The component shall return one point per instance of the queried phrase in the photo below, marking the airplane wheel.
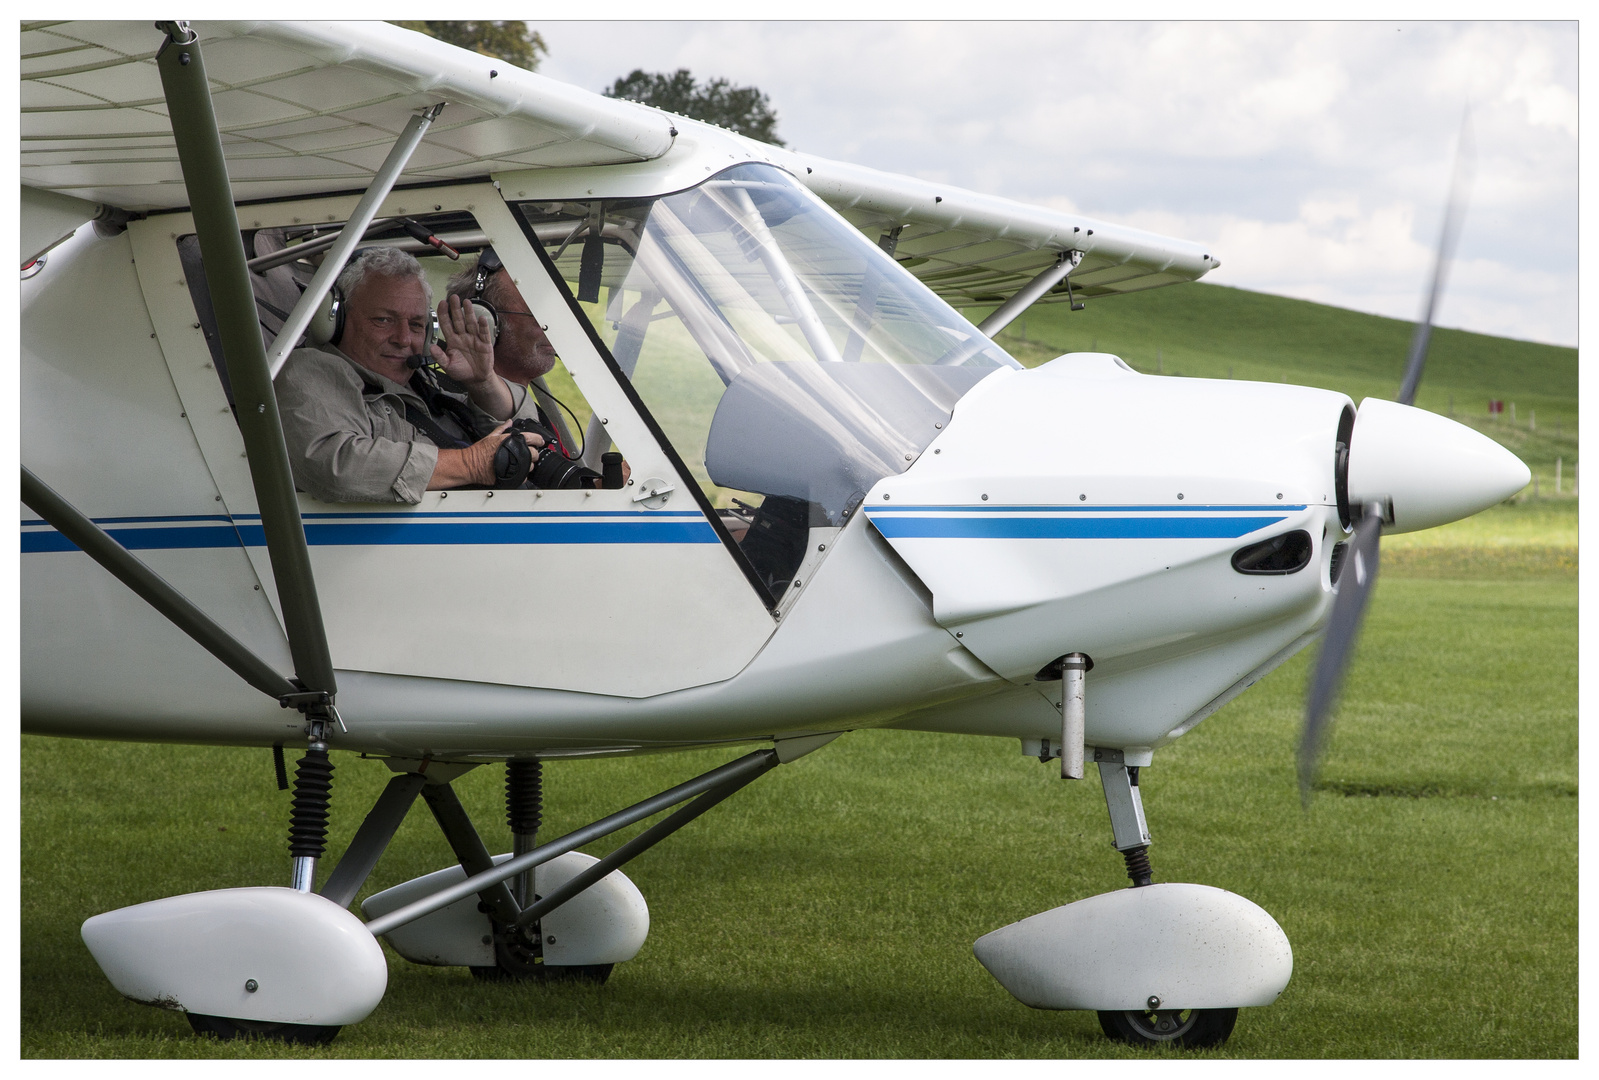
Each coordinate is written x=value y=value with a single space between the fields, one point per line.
x=1187 y=1028
x=226 y=1027
x=514 y=959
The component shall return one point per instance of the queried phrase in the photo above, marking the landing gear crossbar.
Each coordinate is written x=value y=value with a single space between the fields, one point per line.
x=716 y=785
x=633 y=848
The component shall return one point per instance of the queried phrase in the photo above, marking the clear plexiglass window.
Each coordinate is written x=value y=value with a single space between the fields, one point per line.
x=791 y=362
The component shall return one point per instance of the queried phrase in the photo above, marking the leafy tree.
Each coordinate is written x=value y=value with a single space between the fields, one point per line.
x=743 y=109
x=512 y=42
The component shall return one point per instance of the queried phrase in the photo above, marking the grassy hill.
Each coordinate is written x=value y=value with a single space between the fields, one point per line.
x=1216 y=332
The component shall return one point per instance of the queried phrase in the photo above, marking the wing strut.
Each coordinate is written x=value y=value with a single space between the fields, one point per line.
x=1029 y=293
x=205 y=176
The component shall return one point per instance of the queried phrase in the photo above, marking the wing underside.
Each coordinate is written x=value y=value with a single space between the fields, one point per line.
x=311 y=108
x=975 y=249
x=303 y=108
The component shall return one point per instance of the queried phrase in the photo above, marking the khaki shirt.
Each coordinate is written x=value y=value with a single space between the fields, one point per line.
x=349 y=445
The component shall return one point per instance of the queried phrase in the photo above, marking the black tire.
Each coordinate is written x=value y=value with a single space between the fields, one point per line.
x=550 y=973
x=583 y=973
x=227 y=1027
x=1190 y=1029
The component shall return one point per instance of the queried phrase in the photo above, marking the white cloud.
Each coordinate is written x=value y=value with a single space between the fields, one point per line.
x=1313 y=157
x=1547 y=102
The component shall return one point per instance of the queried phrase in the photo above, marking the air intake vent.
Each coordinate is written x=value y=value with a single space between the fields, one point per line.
x=1340 y=549
x=1285 y=554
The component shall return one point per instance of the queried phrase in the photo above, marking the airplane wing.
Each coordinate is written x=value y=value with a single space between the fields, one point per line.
x=303 y=108
x=979 y=249
x=306 y=108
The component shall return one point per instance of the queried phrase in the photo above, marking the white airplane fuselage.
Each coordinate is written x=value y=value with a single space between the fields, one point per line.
x=1078 y=507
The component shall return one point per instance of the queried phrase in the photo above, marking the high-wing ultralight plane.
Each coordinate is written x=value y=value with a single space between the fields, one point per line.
x=843 y=506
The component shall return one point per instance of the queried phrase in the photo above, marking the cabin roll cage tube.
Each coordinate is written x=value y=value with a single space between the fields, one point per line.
x=352 y=234
x=711 y=787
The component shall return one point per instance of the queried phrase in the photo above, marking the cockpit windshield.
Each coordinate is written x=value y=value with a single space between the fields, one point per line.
x=783 y=353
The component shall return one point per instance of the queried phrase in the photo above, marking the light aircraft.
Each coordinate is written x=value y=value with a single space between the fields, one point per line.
x=847 y=507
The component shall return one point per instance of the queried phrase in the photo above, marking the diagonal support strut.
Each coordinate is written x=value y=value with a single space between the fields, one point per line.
x=1025 y=297
x=353 y=232
x=738 y=771
x=205 y=177
x=632 y=849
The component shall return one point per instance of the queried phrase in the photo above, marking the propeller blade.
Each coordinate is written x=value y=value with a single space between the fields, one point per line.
x=1355 y=581
x=1359 y=572
x=1459 y=192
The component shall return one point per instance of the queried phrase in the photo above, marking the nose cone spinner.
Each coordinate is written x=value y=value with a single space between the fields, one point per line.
x=1427 y=469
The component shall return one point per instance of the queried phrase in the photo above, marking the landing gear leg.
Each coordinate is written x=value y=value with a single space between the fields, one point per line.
x=1152 y=1026
x=1126 y=806
x=308 y=835
x=524 y=813
x=518 y=949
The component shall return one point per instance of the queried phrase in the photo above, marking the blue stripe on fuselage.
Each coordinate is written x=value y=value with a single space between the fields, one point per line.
x=1067 y=528
x=400 y=530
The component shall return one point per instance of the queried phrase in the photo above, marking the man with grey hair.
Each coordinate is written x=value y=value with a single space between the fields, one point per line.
x=522 y=352
x=379 y=413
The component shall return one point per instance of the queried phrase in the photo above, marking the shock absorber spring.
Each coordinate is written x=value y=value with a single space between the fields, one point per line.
x=308 y=818
x=524 y=812
x=524 y=795
x=1138 y=867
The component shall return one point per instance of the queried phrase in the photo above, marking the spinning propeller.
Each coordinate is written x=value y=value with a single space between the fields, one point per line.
x=1407 y=469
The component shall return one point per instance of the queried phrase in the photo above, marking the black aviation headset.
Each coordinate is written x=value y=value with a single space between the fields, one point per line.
x=327 y=325
x=488 y=264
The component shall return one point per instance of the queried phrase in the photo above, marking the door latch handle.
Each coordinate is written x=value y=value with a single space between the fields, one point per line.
x=653 y=493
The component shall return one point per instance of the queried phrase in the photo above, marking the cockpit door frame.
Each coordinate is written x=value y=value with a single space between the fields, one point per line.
x=614 y=398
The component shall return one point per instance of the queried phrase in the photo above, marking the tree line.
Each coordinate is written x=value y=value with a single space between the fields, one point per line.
x=741 y=109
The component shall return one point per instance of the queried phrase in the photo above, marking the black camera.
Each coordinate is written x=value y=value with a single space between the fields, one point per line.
x=514 y=466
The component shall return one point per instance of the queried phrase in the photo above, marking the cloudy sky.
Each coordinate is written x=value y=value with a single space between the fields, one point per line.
x=1314 y=159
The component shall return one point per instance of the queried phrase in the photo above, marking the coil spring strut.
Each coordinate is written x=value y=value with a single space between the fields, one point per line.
x=1138 y=867
x=524 y=795
x=308 y=818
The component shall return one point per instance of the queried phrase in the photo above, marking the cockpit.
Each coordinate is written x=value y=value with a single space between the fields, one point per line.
x=789 y=361
x=786 y=361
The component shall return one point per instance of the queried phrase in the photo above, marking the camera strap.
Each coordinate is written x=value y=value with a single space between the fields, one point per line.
x=440 y=404
x=430 y=427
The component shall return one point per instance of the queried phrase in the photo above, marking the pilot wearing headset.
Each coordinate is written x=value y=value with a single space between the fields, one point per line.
x=379 y=413
x=522 y=352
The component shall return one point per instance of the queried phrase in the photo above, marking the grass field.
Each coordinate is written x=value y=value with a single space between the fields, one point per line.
x=828 y=911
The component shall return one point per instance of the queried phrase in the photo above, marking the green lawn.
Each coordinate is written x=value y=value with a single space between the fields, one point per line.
x=829 y=910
